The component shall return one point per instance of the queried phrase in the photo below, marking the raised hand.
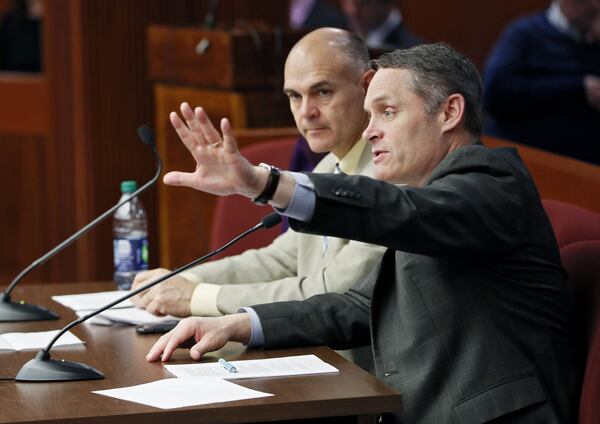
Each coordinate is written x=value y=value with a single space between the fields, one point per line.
x=220 y=168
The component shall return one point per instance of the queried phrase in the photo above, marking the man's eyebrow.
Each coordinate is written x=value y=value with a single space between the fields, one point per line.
x=321 y=84
x=315 y=86
x=381 y=99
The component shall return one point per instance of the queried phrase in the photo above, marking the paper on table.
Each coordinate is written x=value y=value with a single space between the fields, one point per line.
x=126 y=316
x=179 y=392
x=92 y=301
x=257 y=368
x=39 y=340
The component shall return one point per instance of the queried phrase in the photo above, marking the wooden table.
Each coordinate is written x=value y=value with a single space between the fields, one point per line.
x=119 y=352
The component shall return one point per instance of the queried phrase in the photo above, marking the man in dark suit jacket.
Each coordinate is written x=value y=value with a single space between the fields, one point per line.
x=468 y=311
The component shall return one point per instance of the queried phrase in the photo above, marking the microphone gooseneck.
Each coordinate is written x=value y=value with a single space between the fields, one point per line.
x=21 y=311
x=43 y=368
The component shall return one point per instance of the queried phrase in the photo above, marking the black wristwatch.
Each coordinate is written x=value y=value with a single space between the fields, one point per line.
x=272 y=183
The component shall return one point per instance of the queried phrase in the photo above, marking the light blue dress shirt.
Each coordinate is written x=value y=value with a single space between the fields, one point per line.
x=301 y=208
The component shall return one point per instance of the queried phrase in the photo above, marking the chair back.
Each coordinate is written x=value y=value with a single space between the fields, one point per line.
x=577 y=231
x=235 y=214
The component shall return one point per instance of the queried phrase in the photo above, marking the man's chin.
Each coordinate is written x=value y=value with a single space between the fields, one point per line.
x=319 y=145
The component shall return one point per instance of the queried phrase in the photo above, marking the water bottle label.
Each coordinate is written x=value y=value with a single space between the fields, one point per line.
x=131 y=255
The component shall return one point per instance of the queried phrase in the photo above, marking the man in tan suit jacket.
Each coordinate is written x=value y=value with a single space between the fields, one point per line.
x=326 y=76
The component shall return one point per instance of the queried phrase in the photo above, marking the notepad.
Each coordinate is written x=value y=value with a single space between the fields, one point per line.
x=256 y=368
x=38 y=340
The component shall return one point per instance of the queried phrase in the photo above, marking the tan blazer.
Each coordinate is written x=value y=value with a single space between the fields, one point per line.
x=293 y=267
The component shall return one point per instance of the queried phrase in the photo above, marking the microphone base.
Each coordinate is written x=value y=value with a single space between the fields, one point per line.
x=17 y=311
x=42 y=368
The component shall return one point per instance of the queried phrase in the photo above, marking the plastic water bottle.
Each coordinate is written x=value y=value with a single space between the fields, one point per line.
x=130 y=238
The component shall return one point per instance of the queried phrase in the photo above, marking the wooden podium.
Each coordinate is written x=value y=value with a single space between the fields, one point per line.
x=235 y=73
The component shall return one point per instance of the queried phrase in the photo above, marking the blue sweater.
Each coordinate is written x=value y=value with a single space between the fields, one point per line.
x=533 y=89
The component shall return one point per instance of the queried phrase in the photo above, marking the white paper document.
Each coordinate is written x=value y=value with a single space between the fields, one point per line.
x=179 y=392
x=256 y=368
x=92 y=301
x=126 y=316
x=39 y=340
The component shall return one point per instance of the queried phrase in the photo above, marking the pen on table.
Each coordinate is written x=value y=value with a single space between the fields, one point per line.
x=227 y=365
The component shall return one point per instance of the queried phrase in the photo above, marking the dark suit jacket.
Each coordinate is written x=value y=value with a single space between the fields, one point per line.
x=468 y=311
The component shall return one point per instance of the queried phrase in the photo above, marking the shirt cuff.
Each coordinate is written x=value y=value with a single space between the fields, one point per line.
x=204 y=300
x=257 y=337
x=302 y=205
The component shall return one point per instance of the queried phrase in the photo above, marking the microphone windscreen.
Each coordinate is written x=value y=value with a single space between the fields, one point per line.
x=146 y=135
x=271 y=220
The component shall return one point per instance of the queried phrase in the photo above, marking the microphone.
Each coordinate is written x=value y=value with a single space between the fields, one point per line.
x=21 y=311
x=43 y=368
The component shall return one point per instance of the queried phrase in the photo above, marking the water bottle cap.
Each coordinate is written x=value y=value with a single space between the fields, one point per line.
x=128 y=186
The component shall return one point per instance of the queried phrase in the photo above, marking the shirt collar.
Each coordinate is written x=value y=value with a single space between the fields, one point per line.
x=558 y=20
x=349 y=163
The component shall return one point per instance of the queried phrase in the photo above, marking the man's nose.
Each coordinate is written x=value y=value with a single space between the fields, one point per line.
x=371 y=133
x=309 y=109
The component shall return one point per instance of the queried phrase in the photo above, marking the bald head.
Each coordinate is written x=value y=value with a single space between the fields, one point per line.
x=326 y=77
x=331 y=45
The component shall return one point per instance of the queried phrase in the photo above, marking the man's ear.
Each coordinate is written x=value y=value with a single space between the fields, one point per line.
x=366 y=78
x=453 y=110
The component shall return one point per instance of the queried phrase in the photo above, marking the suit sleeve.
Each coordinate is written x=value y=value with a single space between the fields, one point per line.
x=351 y=264
x=471 y=205
x=340 y=321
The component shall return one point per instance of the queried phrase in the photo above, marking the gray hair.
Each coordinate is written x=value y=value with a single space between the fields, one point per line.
x=355 y=50
x=438 y=71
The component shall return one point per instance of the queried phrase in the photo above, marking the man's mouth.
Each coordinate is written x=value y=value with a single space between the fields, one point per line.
x=378 y=155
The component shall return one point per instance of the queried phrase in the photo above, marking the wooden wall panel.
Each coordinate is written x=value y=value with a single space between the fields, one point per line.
x=24 y=104
x=116 y=97
x=22 y=173
x=23 y=128
x=83 y=113
x=471 y=26
x=99 y=93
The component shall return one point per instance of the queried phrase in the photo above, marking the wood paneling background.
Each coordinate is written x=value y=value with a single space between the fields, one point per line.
x=67 y=137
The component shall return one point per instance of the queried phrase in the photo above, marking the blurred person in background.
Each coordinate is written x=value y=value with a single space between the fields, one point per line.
x=542 y=80
x=20 y=37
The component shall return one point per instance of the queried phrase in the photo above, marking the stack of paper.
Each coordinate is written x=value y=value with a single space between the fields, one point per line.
x=257 y=368
x=39 y=340
x=122 y=313
x=206 y=383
